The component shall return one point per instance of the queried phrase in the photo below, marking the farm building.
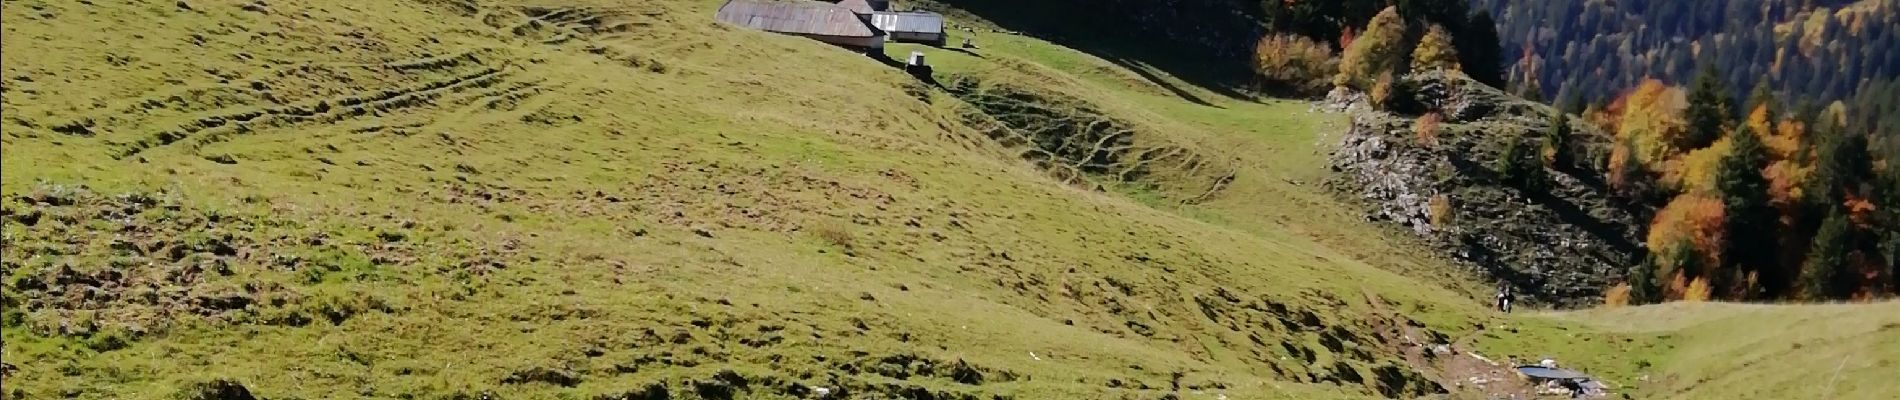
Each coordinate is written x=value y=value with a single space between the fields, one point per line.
x=825 y=22
x=865 y=7
x=911 y=26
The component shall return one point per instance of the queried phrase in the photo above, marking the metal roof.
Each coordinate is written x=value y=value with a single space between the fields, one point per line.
x=1540 y=372
x=911 y=22
x=799 y=17
x=857 y=6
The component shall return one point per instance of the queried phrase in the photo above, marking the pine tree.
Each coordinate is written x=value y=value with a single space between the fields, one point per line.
x=1762 y=96
x=1827 y=267
x=1375 y=53
x=1749 y=216
x=1708 y=114
x=1557 y=139
x=1435 y=52
x=1481 y=50
x=1642 y=280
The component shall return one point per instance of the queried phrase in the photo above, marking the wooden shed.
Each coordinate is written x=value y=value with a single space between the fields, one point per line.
x=911 y=26
x=821 y=21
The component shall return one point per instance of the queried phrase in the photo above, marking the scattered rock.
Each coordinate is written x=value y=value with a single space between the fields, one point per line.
x=558 y=377
x=219 y=389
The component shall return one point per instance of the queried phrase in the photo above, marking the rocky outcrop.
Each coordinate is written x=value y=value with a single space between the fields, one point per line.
x=1559 y=242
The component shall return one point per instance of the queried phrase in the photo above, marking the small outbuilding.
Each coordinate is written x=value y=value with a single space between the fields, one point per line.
x=911 y=26
x=825 y=22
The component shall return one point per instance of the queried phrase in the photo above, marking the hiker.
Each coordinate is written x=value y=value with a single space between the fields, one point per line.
x=1505 y=297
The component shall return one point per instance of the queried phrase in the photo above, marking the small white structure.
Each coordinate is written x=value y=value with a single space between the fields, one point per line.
x=916 y=59
x=911 y=26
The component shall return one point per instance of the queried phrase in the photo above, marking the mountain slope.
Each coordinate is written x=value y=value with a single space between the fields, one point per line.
x=322 y=199
x=607 y=199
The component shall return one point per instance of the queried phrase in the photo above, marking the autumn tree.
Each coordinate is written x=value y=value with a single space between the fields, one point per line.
x=1375 y=53
x=1651 y=119
x=1293 y=63
x=1690 y=226
x=1435 y=51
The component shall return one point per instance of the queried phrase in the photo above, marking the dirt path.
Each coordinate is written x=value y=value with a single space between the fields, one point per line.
x=1465 y=374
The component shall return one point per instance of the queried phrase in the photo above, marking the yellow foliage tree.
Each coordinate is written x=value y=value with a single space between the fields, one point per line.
x=1694 y=173
x=1435 y=52
x=1652 y=122
x=1294 y=62
x=1698 y=291
x=1373 y=53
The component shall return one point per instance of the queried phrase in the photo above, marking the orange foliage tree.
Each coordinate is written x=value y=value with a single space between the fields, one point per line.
x=1689 y=231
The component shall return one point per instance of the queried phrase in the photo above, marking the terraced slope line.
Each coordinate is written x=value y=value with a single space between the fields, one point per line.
x=599 y=199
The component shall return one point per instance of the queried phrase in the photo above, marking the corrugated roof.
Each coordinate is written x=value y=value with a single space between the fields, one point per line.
x=911 y=22
x=800 y=17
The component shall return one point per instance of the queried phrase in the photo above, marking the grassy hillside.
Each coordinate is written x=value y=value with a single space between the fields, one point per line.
x=609 y=199
x=323 y=199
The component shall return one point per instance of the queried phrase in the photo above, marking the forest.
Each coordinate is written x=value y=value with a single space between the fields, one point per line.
x=1756 y=136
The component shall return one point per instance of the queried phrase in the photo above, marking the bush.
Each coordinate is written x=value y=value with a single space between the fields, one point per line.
x=1520 y=164
x=1617 y=296
x=1383 y=92
x=835 y=234
x=1443 y=214
x=1426 y=129
x=1294 y=64
x=1698 y=291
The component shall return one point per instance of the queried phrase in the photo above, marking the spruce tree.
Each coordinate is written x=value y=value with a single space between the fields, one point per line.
x=1762 y=96
x=1708 y=114
x=1557 y=138
x=1644 y=288
x=1826 y=270
x=1748 y=217
x=1480 y=49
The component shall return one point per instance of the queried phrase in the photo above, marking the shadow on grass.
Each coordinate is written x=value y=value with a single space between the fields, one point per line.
x=1095 y=31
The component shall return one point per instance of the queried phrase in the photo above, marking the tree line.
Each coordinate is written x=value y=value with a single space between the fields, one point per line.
x=1779 y=196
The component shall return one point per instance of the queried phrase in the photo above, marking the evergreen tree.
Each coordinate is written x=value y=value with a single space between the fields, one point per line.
x=1708 y=114
x=1518 y=165
x=1749 y=218
x=1642 y=280
x=1481 y=50
x=1823 y=275
x=1375 y=53
x=1557 y=138
x=1761 y=96
x=1435 y=51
